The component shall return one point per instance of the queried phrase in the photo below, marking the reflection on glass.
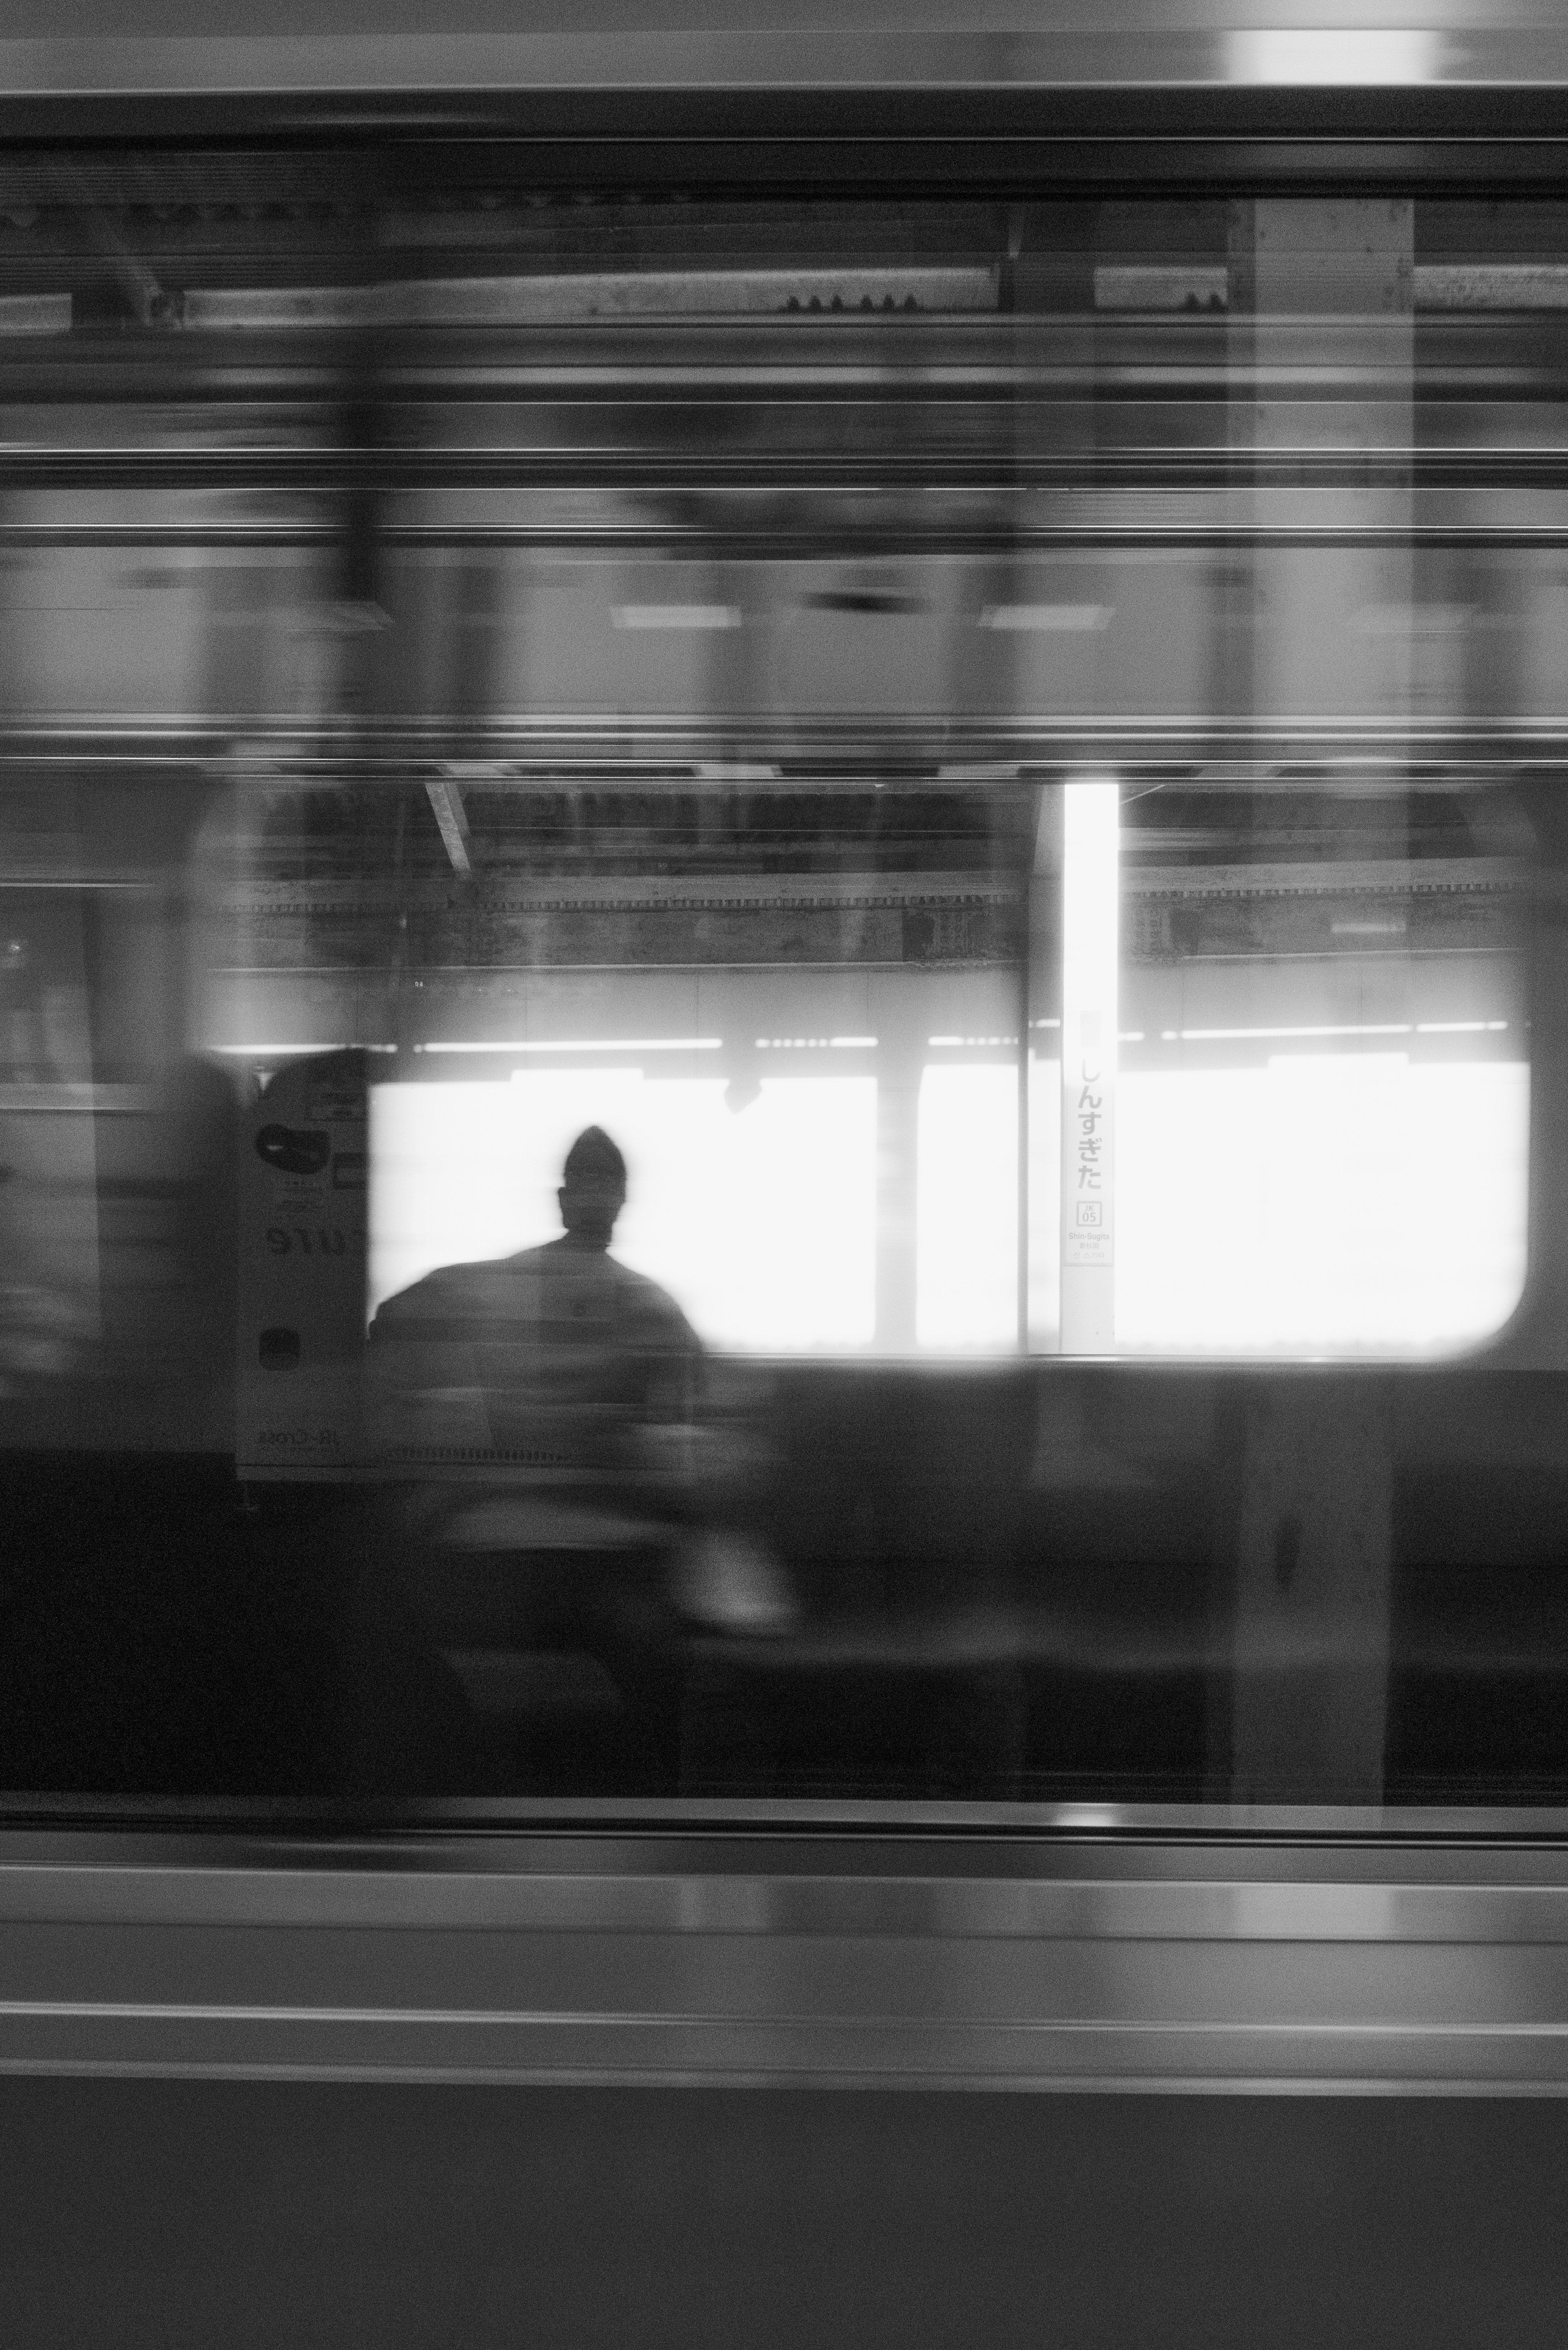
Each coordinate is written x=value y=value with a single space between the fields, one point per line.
x=1027 y=830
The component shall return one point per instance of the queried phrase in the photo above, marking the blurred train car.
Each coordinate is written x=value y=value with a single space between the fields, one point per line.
x=968 y=660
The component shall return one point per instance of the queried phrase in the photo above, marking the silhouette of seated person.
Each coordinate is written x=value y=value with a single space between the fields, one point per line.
x=537 y=1413
x=560 y=1367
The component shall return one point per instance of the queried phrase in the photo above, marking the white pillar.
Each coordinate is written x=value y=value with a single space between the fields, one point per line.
x=1090 y=892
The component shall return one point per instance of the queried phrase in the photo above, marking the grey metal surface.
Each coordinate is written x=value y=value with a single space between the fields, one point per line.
x=79 y=47
x=1331 y=1963
x=1061 y=42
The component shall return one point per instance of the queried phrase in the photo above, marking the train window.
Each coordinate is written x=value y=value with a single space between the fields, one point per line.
x=774 y=974
x=797 y=1012
x=1296 y=1080
x=1307 y=1088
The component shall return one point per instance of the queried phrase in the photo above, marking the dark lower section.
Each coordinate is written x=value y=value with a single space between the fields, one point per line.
x=1011 y=1585
x=176 y=2213
x=1130 y=134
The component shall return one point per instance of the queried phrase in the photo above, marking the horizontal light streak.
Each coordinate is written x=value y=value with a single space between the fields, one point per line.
x=1169 y=286
x=541 y=298
x=1047 y=619
x=677 y=616
x=1492 y=285
x=35 y=314
x=1423 y=623
x=1457 y=285
x=1386 y=57
x=585 y=1045
x=1344 y=1028
x=869 y=1043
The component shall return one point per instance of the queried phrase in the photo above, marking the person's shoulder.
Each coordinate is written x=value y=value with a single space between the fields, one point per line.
x=450 y=1290
x=545 y=1258
x=443 y=1281
x=650 y=1300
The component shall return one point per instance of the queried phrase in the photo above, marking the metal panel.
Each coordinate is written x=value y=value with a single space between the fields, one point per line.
x=1372 y=1964
x=1061 y=42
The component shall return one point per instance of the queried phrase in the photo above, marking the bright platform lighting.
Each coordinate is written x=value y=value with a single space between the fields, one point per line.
x=1376 y=56
x=1324 y=1204
x=966 y=1213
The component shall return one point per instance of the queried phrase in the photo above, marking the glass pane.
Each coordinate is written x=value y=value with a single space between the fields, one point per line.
x=1003 y=766
x=1320 y=1081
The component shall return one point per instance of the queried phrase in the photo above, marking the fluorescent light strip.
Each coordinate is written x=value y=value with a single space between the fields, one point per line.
x=1350 y=1028
x=1048 y=620
x=829 y=1043
x=677 y=616
x=971 y=1040
x=598 y=1045
x=1230 y=1035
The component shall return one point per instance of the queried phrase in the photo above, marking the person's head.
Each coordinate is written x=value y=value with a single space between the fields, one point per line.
x=593 y=1191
